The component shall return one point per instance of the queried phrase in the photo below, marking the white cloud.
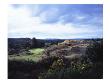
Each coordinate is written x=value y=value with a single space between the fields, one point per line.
x=22 y=23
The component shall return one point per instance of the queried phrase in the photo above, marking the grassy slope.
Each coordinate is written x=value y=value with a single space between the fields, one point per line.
x=36 y=54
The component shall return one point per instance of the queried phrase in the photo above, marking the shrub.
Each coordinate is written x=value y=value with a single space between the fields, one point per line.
x=95 y=51
x=76 y=69
x=66 y=73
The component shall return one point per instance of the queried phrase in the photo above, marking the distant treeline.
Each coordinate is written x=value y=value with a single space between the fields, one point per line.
x=17 y=45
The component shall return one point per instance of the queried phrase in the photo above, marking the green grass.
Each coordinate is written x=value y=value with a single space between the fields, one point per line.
x=36 y=51
x=35 y=55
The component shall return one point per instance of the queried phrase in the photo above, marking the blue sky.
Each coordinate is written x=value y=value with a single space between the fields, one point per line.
x=63 y=21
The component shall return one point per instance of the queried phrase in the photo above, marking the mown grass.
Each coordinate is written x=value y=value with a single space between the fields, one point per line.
x=35 y=55
x=36 y=51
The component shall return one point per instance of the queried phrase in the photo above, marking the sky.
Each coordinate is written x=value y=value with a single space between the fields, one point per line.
x=61 y=21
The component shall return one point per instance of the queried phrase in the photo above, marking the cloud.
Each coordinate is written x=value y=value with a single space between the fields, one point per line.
x=51 y=23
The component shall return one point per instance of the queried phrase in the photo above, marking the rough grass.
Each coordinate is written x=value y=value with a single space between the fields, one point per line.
x=35 y=55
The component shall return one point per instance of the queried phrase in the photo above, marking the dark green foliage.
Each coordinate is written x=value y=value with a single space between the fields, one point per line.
x=18 y=45
x=58 y=66
x=75 y=70
x=34 y=43
x=37 y=43
x=22 y=69
x=95 y=51
x=28 y=69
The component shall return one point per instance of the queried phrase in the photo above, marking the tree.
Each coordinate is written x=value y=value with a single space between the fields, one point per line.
x=33 y=43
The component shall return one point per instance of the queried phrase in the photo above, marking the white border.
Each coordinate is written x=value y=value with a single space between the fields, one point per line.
x=3 y=40
x=4 y=26
x=106 y=35
x=55 y=1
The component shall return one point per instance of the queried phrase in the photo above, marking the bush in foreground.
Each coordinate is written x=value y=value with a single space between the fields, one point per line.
x=75 y=70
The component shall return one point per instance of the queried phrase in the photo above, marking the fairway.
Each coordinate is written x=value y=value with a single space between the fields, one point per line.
x=35 y=55
x=36 y=51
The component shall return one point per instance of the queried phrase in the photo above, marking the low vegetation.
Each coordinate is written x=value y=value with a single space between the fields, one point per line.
x=71 y=59
x=31 y=55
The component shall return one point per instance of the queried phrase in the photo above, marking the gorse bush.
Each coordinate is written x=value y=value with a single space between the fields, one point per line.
x=55 y=70
x=77 y=68
x=58 y=64
x=78 y=71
